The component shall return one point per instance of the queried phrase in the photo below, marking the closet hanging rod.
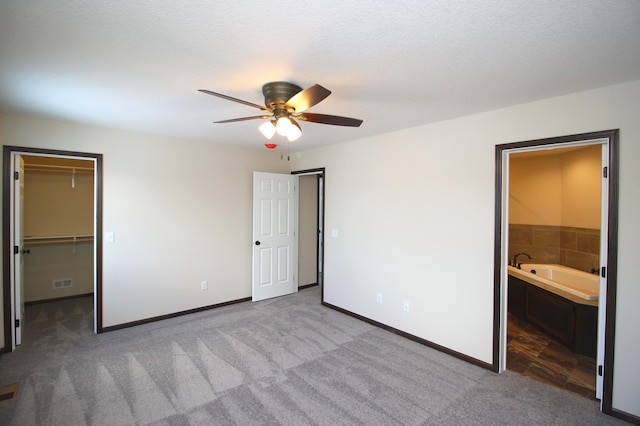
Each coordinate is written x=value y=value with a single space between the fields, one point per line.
x=53 y=237
x=56 y=167
x=45 y=242
x=58 y=239
x=77 y=172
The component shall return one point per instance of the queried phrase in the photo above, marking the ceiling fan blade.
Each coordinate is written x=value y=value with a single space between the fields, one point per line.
x=233 y=120
x=229 y=98
x=307 y=98
x=330 y=119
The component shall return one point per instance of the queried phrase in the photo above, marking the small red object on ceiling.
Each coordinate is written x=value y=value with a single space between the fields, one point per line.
x=270 y=145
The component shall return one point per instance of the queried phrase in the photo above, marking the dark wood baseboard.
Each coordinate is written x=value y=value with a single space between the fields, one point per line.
x=57 y=299
x=176 y=314
x=417 y=339
x=625 y=416
x=187 y=312
x=302 y=287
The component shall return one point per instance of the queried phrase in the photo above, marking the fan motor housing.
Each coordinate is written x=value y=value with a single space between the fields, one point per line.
x=277 y=93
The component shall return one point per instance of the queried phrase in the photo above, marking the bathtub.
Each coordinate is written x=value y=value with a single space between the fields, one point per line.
x=578 y=286
x=561 y=301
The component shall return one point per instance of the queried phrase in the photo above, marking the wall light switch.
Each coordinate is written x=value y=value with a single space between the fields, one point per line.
x=379 y=298
x=405 y=306
x=109 y=237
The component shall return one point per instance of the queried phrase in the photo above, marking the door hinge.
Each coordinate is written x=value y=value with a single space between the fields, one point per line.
x=603 y=272
x=17 y=323
x=604 y=172
x=16 y=175
x=16 y=249
x=600 y=370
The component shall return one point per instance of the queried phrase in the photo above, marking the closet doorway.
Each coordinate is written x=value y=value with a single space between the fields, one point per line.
x=311 y=227
x=51 y=212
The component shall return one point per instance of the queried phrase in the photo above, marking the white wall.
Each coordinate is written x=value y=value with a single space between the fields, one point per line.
x=415 y=214
x=180 y=211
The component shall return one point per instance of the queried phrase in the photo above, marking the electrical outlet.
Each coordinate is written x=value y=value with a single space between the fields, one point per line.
x=204 y=285
x=405 y=306
x=379 y=298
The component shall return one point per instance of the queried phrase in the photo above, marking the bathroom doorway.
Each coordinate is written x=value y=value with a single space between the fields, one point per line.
x=575 y=146
x=554 y=219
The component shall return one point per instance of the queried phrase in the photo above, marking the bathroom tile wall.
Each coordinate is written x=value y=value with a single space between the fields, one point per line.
x=577 y=248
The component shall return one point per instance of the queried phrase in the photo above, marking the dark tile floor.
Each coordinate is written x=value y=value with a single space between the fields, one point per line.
x=532 y=353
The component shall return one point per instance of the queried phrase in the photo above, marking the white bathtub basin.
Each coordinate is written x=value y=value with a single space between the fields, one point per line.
x=560 y=279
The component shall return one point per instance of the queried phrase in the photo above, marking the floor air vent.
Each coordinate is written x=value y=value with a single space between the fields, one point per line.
x=8 y=392
x=64 y=283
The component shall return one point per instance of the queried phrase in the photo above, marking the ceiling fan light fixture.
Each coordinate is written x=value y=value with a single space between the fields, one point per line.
x=294 y=131
x=267 y=129
x=284 y=104
x=283 y=125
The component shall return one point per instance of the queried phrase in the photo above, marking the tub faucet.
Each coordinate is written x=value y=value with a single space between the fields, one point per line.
x=515 y=259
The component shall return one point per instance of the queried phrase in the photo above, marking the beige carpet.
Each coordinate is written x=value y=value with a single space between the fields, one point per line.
x=286 y=361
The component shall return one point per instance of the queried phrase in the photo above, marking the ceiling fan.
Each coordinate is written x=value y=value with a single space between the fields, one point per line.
x=284 y=103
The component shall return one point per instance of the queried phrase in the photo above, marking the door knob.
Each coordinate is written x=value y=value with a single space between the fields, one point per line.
x=257 y=243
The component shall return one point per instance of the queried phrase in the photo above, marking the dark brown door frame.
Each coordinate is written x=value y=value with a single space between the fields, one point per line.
x=320 y=172
x=612 y=249
x=7 y=205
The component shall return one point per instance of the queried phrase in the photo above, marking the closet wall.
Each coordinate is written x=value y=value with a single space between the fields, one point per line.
x=308 y=230
x=58 y=214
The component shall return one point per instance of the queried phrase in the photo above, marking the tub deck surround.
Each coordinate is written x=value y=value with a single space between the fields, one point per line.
x=559 y=301
x=577 y=286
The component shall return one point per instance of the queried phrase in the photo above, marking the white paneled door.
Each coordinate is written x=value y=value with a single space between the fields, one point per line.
x=275 y=235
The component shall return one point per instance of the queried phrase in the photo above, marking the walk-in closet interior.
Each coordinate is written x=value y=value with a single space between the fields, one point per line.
x=58 y=224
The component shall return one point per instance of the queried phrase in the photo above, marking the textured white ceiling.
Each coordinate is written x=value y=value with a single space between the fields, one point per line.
x=137 y=64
